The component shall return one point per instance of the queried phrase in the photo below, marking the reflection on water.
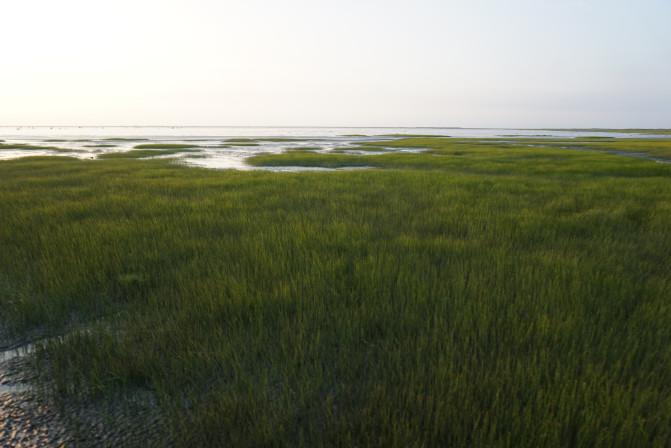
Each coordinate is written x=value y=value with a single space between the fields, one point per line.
x=214 y=132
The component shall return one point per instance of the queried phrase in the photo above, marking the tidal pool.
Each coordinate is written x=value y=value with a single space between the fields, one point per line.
x=229 y=147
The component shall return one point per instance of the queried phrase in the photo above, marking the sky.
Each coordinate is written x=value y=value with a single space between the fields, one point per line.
x=471 y=63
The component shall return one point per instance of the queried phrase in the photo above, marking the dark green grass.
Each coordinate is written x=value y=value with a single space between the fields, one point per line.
x=474 y=295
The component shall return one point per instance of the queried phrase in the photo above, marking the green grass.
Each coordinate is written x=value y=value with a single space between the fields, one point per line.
x=29 y=147
x=478 y=294
x=653 y=147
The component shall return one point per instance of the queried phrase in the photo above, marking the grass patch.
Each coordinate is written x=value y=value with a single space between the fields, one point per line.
x=308 y=159
x=473 y=295
x=364 y=147
x=30 y=147
x=654 y=147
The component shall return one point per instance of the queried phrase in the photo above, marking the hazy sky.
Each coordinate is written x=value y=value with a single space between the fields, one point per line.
x=515 y=63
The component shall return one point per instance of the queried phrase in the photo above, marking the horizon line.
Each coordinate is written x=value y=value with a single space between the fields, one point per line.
x=592 y=128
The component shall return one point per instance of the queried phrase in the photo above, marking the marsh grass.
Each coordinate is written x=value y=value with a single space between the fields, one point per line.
x=29 y=147
x=651 y=146
x=364 y=147
x=660 y=147
x=473 y=295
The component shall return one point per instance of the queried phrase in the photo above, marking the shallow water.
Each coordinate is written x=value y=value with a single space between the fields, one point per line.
x=213 y=132
x=80 y=142
x=23 y=350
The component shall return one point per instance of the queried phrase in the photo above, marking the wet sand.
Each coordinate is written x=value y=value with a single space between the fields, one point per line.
x=29 y=417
